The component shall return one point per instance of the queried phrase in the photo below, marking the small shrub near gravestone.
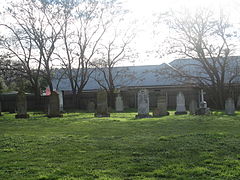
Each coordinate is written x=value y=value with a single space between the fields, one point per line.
x=102 y=105
x=143 y=104
x=21 y=105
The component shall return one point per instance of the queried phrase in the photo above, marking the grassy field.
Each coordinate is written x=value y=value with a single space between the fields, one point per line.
x=79 y=146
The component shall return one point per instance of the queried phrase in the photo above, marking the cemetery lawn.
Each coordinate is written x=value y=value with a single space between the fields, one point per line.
x=79 y=146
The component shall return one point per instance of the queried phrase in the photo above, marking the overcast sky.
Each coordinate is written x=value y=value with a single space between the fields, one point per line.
x=143 y=11
x=145 y=43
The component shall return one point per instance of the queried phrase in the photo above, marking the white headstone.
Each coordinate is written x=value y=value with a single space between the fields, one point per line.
x=181 y=109
x=119 y=104
x=203 y=109
x=203 y=103
x=229 y=106
x=60 y=96
x=143 y=104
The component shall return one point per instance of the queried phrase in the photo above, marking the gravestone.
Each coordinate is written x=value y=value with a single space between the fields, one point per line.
x=53 y=106
x=91 y=107
x=60 y=95
x=229 y=106
x=21 y=105
x=193 y=107
x=181 y=109
x=238 y=103
x=161 y=109
x=143 y=104
x=203 y=109
x=119 y=104
x=102 y=105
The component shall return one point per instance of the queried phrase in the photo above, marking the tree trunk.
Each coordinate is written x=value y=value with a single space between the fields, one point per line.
x=75 y=99
x=37 y=98
x=79 y=99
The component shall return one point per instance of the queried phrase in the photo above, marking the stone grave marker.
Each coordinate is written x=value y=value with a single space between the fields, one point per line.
x=193 y=107
x=143 y=104
x=161 y=109
x=53 y=106
x=21 y=105
x=102 y=105
x=229 y=106
x=60 y=95
x=91 y=107
x=181 y=108
x=119 y=104
x=203 y=109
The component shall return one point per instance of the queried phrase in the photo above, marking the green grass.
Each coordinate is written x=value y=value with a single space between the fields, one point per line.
x=79 y=146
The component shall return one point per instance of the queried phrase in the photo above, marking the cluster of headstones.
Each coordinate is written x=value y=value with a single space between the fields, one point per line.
x=161 y=110
x=55 y=108
x=143 y=105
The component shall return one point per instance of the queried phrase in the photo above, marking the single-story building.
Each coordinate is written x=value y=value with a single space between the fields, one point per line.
x=131 y=81
x=128 y=82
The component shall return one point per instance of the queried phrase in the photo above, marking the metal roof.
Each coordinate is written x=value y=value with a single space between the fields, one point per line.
x=140 y=76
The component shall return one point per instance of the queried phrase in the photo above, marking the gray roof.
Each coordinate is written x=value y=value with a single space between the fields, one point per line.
x=138 y=76
x=131 y=76
x=193 y=67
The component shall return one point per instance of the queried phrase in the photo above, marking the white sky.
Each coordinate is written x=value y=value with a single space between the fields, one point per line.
x=144 y=10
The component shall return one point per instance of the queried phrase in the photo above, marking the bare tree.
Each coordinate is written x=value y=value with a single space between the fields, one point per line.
x=18 y=44
x=85 y=24
x=206 y=40
x=30 y=37
x=113 y=53
x=45 y=29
